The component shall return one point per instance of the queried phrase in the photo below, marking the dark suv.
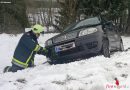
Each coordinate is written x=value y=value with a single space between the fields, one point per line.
x=89 y=36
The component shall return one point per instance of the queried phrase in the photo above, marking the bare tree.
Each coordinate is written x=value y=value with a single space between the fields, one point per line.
x=67 y=13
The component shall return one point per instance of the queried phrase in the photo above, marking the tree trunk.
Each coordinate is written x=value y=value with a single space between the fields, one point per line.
x=128 y=20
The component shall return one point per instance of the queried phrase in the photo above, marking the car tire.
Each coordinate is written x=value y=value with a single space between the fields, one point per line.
x=121 y=47
x=105 y=48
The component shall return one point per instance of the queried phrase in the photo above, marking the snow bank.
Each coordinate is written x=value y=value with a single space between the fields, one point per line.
x=96 y=73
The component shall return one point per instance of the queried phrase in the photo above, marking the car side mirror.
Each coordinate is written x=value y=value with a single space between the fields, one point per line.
x=107 y=26
x=109 y=23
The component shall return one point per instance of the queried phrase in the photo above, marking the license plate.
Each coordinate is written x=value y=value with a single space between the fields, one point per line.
x=64 y=47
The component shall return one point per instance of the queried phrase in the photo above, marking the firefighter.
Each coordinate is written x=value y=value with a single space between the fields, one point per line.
x=26 y=49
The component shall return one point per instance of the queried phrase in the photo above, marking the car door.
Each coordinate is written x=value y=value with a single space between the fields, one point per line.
x=113 y=37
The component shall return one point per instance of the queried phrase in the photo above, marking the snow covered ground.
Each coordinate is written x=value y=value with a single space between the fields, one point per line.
x=96 y=73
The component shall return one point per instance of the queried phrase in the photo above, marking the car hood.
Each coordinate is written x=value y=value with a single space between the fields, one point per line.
x=69 y=34
x=64 y=36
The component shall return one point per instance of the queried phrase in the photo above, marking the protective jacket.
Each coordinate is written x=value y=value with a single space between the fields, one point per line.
x=26 y=49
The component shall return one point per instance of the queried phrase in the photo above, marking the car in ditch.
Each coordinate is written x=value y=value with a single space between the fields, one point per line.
x=94 y=35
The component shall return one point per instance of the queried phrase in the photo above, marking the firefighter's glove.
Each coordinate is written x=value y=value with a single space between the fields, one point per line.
x=43 y=51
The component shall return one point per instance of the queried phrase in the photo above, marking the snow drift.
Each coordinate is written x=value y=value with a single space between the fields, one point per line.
x=96 y=73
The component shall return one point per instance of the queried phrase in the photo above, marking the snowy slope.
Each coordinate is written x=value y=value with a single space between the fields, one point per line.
x=96 y=73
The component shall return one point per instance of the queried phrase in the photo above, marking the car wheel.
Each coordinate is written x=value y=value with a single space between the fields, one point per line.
x=105 y=49
x=121 y=46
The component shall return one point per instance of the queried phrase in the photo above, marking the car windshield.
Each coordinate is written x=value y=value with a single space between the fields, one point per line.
x=86 y=22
